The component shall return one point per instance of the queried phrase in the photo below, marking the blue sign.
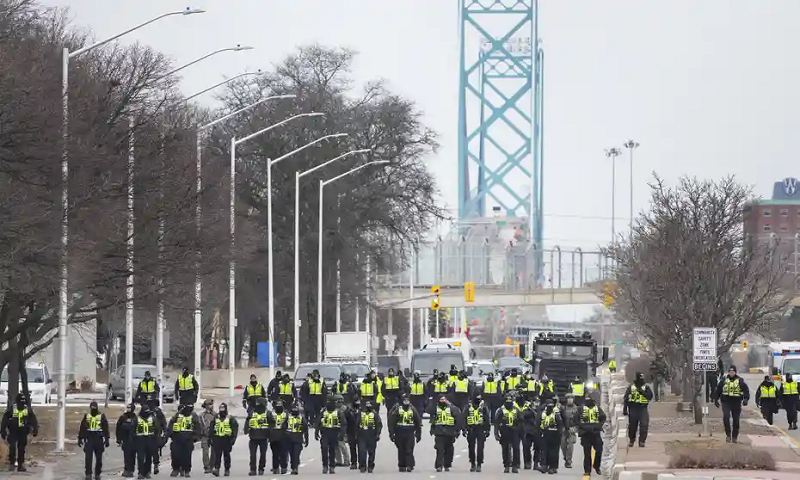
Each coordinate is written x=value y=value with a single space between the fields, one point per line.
x=262 y=353
x=786 y=189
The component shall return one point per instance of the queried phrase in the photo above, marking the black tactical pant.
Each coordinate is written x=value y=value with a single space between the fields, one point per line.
x=404 y=441
x=731 y=412
x=509 y=444
x=129 y=456
x=328 y=442
x=222 y=446
x=294 y=448
x=16 y=448
x=551 y=440
x=528 y=446
x=93 y=448
x=146 y=447
x=181 y=449
x=476 y=440
x=258 y=446
x=639 y=420
x=445 y=450
x=366 y=451
x=280 y=457
x=591 y=441
x=790 y=405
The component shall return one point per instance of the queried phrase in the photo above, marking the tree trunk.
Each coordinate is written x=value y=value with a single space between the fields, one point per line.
x=697 y=405
x=13 y=373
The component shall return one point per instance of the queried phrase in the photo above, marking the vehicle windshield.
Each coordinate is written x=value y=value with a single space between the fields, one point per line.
x=791 y=366
x=426 y=363
x=485 y=367
x=563 y=351
x=35 y=375
x=507 y=362
x=326 y=372
x=138 y=371
x=359 y=369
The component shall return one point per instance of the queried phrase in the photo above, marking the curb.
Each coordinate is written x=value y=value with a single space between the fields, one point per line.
x=730 y=475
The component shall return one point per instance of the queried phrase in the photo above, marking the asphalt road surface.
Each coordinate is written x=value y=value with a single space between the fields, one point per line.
x=386 y=462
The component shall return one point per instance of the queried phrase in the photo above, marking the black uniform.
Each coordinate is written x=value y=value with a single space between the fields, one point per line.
x=530 y=432
x=93 y=436
x=276 y=420
x=369 y=433
x=352 y=415
x=148 y=389
x=346 y=389
x=493 y=393
x=551 y=425
x=286 y=391
x=508 y=428
x=477 y=428
x=789 y=396
x=186 y=388
x=405 y=430
x=252 y=392
x=125 y=434
x=296 y=437
x=445 y=428
x=256 y=426
x=418 y=393
x=222 y=434
x=147 y=440
x=161 y=440
x=18 y=422
x=184 y=429
x=637 y=397
x=767 y=397
x=733 y=393
x=590 y=419
x=314 y=392
x=393 y=387
x=330 y=426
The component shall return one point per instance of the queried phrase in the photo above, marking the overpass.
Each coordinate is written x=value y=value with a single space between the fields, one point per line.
x=398 y=297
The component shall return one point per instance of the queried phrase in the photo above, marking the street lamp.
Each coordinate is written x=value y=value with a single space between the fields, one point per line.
x=613 y=153
x=297 y=177
x=322 y=184
x=224 y=82
x=63 y=287
x=631 y=146
x=232 y=270
x=129 y=285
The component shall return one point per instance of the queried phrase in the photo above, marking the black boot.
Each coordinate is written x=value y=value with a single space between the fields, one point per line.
x=472 y=467
x=478 y=468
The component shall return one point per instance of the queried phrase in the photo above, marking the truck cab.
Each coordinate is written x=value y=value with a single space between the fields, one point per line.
x=563 y=356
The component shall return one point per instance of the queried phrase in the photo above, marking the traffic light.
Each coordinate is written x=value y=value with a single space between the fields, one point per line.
x=744 y=345
x=469 y=292
x=435 y=300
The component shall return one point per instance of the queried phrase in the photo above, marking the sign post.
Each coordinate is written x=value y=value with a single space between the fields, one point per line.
x=704 y=359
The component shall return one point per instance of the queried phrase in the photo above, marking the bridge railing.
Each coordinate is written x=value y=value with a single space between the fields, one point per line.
x=511 y=266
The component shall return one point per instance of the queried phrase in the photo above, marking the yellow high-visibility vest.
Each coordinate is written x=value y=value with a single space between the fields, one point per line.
x=147 y=386
x=144 y=427
x=279 y=419
x=367 y=389
x=257 y=390
x=93 y=422
x=769 y=391
x=406 y=417
x=417 y=388
x=367 y=421
x=223 y=427
x=509 y=415
x=732 y=388
x=20 y=415
x=590 y=415
x=443 y=417
x=295 y=424
x=184 y=423
x=330 y=420
x=790 y=388
x=490 y=388
x=462 y=386
x=578 y=389
x=186 y=383
x=548 y=422
x=475 y=416
x=636 y=396
x=258 y=421
x=315 y=388
x=392 y=383
x=440 y=387
x=287 y=389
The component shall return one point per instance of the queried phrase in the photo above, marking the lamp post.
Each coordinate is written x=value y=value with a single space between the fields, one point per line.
x=232 y=273
x=63 y=293
x=322 y=184
x=631 y=146
x=297 y=177
x=129 y=284
x=198 y=285
x=613 y=153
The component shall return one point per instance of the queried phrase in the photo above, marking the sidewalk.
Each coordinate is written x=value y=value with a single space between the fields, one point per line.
x=673 y=431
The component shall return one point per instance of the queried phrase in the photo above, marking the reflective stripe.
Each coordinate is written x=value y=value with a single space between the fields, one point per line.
x=184 y=423
x=790 y=388
x=636 y=396
x=418 y=388
x=391 y=383
x=732 y=388
x=475 y=417
x=145 y=427
x=509 y=415
x=490 y=387
x=406 y=417
x=548 y=421
x=258 y=421
x=295 y=424
x=251 y=390
x=20 y=416
x=768 y=391
x=590 y=415
x=462 y=386
x=367 y=421
x=223 y=427
x=342 y=387
x=440 y=387
x=315 y=388
x=512 y=382
x=287 y=389
x=577 y=389
x=330 y=420
x=443 y=417
x=367 y=389
x=94 y=422
x=279 y=419
x=148 y=386
x=186 y=383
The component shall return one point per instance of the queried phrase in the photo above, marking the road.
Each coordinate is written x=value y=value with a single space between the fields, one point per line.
x=753 y=380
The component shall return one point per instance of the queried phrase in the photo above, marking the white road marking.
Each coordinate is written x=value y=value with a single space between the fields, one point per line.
x=302 y=465
x=463 y=450
x=458 y=456
x=432 y=476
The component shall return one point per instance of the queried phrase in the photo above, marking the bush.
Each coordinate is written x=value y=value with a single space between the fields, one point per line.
x=641 y=364
x=721 y=458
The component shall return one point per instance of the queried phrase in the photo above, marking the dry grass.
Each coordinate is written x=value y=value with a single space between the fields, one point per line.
x=711 y=454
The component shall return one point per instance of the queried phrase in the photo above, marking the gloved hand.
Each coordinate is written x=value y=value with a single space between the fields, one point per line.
x=487 y=433
x=316 y=435
x=419 y=438
x=497 y=436
x=119 y=443
x=305 y=443
x=36 y=433
x=80 y=442
x=744 y=403
x=716 y=403
x=107 y=444
x=625 y=410
x=377 y=439
x=391 y=437
x=431 y=433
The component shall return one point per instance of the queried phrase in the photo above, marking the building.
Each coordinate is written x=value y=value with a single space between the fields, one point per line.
x=778 y=220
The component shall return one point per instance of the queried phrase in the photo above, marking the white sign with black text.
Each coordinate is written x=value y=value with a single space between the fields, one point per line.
x=704 y=348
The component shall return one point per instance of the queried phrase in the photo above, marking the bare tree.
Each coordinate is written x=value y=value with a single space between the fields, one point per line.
x=689 y=265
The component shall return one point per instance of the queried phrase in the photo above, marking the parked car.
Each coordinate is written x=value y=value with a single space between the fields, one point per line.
x=40 y=385
x=116 y=382
x=329 y=372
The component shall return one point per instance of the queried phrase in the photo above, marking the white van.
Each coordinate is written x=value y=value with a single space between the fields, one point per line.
x=40 y=384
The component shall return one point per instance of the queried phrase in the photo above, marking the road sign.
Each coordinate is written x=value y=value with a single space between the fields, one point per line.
x=469 y=292
x=704 y=348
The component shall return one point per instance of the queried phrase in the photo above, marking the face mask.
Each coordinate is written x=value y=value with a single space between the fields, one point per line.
x=391 y=374
x=295 y=412
x=185 y=373
x=131 y=408
x=549 y=409
x=279 y=409
x=490 y=378
x=442 y=405
x=416 y=376
x=331 y=407
x=406 y=405
x=187 y=411
x=476 y=403
x=253 y=382
x=509 y=405
x=590 y=403
x=368 y=408
x=94 y=410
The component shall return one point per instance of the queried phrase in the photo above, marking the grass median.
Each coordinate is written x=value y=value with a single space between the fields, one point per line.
x=712 y=454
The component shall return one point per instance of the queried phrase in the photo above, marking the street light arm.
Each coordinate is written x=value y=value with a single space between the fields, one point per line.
x=80 y=51
x=242 y=110
x=314 y=169
x=314 y=142
x=380 y=162
x=198 y=60
x=282 y=122
x=225 y=82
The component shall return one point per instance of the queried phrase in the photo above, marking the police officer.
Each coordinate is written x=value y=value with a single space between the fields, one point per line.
x=578 y=390
x=296 y=436
x=507 y=431
x=314 y=392
x=223 y=433
x=732 y=393
x=346 y=389
x=551 y=427
x=147 y=389
x=569 y=438
x=477 y=428
x=492 y=392
x=369 y=434
x=184 y=429
x=342 y=448
x=148 y=440
x=161 y=440
x=789 y=397
x=637 y=397
x=186 y=388
x=369 y=389
x=286 y=391
x=252 y=393
x=94 y=436
x=462 y=391
x=207 y=417
x=273 y=387
x=329 y=427
x=441 y=388
x=392 y=388
x=529 y=427
x=352 y=415
x=513 y=380
x=590 y=419
x=257 y=427
x=405 y=429
x=418 y=394
x=767 y=399
x=445 y=428
x=18 y=422
x=612 y=365
x=546 y=388
x=125 y=435
x=276 y=420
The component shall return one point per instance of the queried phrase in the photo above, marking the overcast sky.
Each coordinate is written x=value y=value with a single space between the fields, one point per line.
x=705 y=87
